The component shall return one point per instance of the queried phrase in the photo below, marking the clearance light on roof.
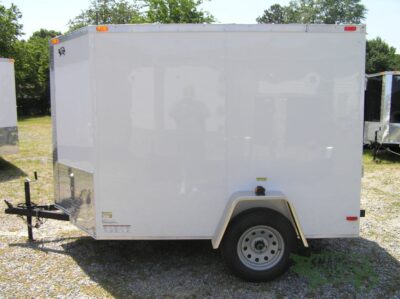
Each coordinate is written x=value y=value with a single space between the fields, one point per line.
x=350 y=28
x=55 y=41
x=102 y=28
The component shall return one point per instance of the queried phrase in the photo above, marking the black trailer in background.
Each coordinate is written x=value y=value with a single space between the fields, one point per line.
x=382 y=112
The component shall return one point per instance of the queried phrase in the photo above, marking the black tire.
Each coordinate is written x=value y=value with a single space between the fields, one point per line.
x=246 y=222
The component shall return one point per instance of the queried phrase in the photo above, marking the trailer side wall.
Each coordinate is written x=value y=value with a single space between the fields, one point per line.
x=8 y=108
x=186 y=119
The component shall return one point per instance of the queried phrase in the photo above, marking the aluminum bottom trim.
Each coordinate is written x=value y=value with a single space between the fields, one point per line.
x=8 y=140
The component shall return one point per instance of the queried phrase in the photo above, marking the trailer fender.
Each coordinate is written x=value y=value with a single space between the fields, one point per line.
x=241 y=201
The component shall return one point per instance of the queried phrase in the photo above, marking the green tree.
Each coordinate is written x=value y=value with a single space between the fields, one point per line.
x=278 y=14
x=10 y=29
x=141 y=11
x=32 y=73
x=397 y=62
x=381 y=57
x=315 y=11
x=108 y=12
x=176 y=11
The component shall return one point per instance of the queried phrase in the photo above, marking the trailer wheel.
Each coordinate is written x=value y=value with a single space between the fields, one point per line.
x=257 y=244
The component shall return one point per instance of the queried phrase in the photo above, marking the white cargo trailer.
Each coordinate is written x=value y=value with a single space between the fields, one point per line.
x=382 y=109
x=8 y=108
x=175 y=132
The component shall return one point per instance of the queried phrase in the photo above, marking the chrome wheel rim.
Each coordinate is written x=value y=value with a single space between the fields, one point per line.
x=260 y=247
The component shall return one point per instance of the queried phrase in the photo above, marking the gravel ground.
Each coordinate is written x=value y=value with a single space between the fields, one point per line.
x=63 y=262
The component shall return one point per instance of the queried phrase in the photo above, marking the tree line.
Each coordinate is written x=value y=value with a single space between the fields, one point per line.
x=32 y=55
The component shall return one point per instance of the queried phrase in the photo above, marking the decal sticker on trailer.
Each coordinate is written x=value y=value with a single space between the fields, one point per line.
x=107 y=217
x=110 y=228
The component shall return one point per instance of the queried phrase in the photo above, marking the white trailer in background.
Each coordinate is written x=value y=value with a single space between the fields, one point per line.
x=165 y=131
x=382 y=109
x=8 y=108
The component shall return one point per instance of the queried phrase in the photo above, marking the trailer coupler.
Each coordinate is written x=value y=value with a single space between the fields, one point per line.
x=30 y=209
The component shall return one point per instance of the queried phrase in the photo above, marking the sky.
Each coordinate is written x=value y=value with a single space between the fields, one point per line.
x=55 y=14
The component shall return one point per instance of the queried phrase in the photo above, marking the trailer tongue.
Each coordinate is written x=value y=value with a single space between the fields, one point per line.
x=30 y=210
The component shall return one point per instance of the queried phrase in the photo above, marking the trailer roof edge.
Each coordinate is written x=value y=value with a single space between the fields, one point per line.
x=383 y=73
x=278 y=28
x=3 y=59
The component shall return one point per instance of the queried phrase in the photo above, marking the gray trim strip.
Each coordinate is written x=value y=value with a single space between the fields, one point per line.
x=89 y=232
x=54 y=122
x=76 y=196
x=8 y=140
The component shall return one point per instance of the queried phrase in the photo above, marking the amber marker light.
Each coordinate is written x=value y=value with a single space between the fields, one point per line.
x=55 y=41
x=102 y=28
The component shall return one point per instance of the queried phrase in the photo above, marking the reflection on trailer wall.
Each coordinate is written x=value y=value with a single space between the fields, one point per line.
x=395 y=103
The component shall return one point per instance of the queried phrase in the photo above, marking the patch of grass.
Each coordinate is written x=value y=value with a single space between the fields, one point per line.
x=35 y=154
x=93 y=291
x=336 y=268
x=395 y=204
x=383 y=158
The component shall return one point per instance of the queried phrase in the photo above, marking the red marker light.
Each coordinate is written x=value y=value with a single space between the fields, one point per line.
x=350 y=28
x=351 y=218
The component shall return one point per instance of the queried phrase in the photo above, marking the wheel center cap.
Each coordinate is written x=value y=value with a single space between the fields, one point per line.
x=260 y=245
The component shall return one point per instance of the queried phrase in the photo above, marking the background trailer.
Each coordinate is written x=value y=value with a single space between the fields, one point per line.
x=382 y=109
x=8 y=108
x=165 y=131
